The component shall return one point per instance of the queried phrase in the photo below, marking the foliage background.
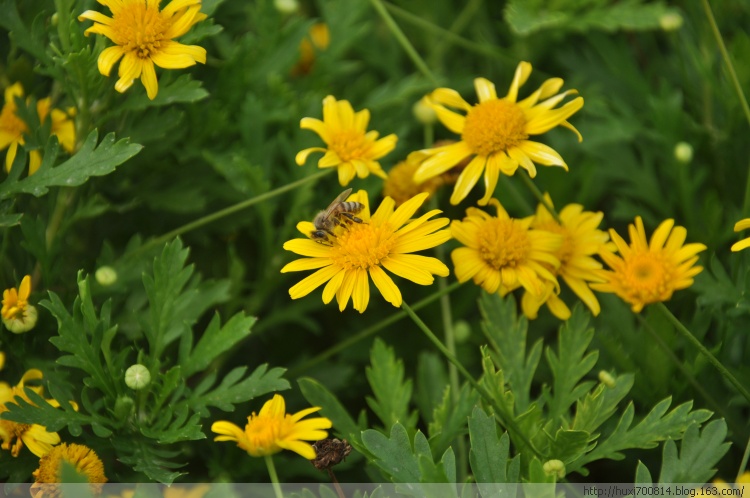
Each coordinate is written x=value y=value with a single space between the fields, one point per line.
x=227 y=131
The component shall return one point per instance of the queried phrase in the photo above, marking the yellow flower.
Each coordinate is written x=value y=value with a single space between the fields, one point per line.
x=273 y=430
x=646 y=272
x=12 y=127
x=2 y=360
x=34 y=436
x=383 y=240
x=742 y=481
x=502 y=253
x=400 y=182
x=85 y=461
x=144 y=36
x=581 y=240
x=17 y=314
x=317 y=40
x=351 y=148
x=744 y=243
x=496 y=131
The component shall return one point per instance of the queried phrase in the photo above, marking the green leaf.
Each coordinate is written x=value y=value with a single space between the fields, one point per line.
x=449 y=419
x=430 y=383
x=600 y=404
x=38 y=411
x=392 y=393
x=154 y=462
x=172 y=428
x=568 y=445
x=232 y=391
x=506 y=333
x=642 y=474
x=30 y=41
x=9 y=220
x=394 y=455
x=571 y=363
x=317 y=395
x=217 y=340
x=699 y=454
x=489 y=455
x=89 y=161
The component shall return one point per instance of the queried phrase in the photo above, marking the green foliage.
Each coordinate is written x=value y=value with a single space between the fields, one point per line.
x=392 y=394
x=490 y=454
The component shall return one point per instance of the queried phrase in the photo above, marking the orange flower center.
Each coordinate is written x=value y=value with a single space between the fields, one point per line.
x=10 y=123
x=140 y=28
x=263 y=433
x=494 y=126
x=349 y=145
x=362 y=245
x=503 y=243
x=12 y=431
x=647 y=276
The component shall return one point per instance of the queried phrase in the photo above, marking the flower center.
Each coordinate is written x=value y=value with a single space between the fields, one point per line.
x=502 y=243
x=10 y=123
x=12 y=431
x=140 y=28
x=494 y=126
x=263 y=432
x=348 y=144
x=362 y=245
x=647 y=275
x=82 y=458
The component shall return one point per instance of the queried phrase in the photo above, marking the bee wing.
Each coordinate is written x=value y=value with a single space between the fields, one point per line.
x=339 y=199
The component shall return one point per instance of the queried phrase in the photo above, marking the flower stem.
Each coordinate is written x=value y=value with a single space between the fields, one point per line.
x=703 y=350
x=350 y=341
x=499 y=412
x=405 y=43
x=540 y=197
x=743 y=463
x=274 y=476
x=230 y=210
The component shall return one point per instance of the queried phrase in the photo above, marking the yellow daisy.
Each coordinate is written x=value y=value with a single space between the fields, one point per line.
x=351 y=149
x=400 y=182
x=317 y=40
x=744 y=243
x=273 y=430
x=13 y=128
x=83 y=459
x=384 y=240
x=646 y=272
x=34 y=436
x=502 y=253
x=495 y=132
x=581 y=241
x=144 y=36
x=17 y=314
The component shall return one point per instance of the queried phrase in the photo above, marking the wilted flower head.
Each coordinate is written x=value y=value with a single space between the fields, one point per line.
x=17 y=314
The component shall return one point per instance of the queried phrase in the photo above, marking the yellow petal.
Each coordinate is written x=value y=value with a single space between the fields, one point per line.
x=361 y=292
x=306 y=247
x=485 y=89
x=148 y=78
x=523 y=70
x=449 y=97
x=386 y=286
x=312 y=282
x=467 y=179
x=302 y=155
x=317 y=126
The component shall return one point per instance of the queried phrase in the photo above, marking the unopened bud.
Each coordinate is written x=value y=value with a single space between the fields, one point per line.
x=607 y=379
x=124 y=407
x=106 y=275
x=671 y=21
x=137 y=377
x=554 y=468
x=683 y=152
x=286 y=6
x=23 y=324
x=423 y=112
x=461 y=331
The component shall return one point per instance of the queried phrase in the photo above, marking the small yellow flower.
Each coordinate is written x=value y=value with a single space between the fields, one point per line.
x=317 y=40
x=495 y=132
x=646 y=273
x=17 y=314
x=273 y=430
x=400 y=182
x=85 y=460
x=581 y=241
x=13 y=128
x=744 y=243
x=383 y=240
x=144 y=37
x=34 y=436
x=351 y=149
x=502 y=253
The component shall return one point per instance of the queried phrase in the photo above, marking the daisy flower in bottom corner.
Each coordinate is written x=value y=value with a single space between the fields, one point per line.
x=359 y=251
x=649 y=272
x=273 y=430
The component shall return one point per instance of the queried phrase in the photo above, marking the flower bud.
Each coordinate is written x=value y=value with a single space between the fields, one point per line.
x=423 y=112
x=137 y=377
x=683 y=152
x=106 y=275
x=124 y=407
x=461 y=331
x=286 y=6
x=24 y=323
x=554 y=468
x=607 y=379
x=671 y=21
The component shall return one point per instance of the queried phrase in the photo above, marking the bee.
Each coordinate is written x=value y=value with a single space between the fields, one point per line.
x=336 y=214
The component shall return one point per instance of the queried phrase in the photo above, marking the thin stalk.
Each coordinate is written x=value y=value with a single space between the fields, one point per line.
x=274 y=476
x=205 y=220
x=499 y=412
x=404 y=41
x=63 y=25
x=458 y=25
x=341 y=346
x=703 y=350
x=540 y=197
x=743 y=464
x=429 y=135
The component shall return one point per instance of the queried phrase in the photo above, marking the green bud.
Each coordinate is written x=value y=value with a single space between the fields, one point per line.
x=607 y=379
x=423 y=112
x=106 y=275
x=683 y=152
x=124 y=407
x=23 y=324
x=137 y=377
x=461 y=331
x=554 y=468
x=671 y=21
x=286 y=6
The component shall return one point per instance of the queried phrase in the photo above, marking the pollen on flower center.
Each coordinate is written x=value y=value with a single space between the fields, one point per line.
x=363 y=245
x=502 y=243
x=263 y=432
x=646 y=273
x=493 y=126
x=10 y=123
x=140 y=28
x=349 y=145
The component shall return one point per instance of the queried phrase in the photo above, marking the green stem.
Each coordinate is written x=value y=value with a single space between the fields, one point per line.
x=703 y=350
x=499 y=412
x=540 y=197
x=230 y=210
x=350 y=341
x=274 y=476
x=458 y=25
x=405 y=43
x=63 y=25
x=743 y=463
x=727 y=59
